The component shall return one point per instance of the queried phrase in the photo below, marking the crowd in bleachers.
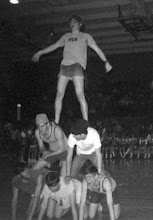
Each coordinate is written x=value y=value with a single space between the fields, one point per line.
x=126 y=137
x=121 y=138
x=18 y=142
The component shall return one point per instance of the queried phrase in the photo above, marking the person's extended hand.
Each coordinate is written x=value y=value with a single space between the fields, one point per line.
x=67 y=179
x=36 y=57
x=45 y=155
x=108 y=67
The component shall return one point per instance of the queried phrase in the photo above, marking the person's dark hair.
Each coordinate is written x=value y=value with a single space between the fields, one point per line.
x=80 y=127
x=19 y=167
x=90 y=170
x=52 y=178
x=79 y=19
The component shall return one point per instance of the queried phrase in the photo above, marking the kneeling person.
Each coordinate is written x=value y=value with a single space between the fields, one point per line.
x=52 y=134
x=58 y=197
x=94 y=187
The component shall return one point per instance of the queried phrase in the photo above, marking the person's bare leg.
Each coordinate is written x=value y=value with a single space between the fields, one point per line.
x=61 y=87
x=40 y=164
x=117 y=211
x=78 y=82
x=63 y=168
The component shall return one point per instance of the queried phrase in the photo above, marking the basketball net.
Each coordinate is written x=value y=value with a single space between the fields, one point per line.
x=136 y=8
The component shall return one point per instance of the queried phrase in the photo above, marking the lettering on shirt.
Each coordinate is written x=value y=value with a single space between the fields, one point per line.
x=72 y=39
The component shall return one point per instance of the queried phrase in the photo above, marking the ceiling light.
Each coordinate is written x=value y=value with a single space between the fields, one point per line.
x=14 y=1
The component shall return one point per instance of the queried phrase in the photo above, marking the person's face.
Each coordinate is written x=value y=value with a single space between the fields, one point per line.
x=74 y=24
x=30 y=132
x=55 y=188
x=80 y=137
x=42 y=128
x=89 y=177
x=25 y=174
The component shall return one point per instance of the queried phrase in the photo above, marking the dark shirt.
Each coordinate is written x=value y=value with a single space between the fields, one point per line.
x=28 y=187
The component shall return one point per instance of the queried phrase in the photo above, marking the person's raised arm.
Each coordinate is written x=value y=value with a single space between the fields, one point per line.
x=49 y=49
x=109 y=198
x=83 y=200
x=14 y=202
x=36 y=196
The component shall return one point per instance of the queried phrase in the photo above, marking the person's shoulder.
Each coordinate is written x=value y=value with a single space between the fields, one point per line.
x=15 y=180
x=37 y=133
x=58 y=130
x=107 y=183
x=57 y=127
x=87 y=35
x=66 y=35
x=70 y=137
x=92 y=130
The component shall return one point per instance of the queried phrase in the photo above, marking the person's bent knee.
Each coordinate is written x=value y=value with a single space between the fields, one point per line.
x=80 y=95
x=59 y=95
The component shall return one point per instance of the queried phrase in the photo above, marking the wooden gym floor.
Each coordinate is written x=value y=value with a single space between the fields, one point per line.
x=135 y=189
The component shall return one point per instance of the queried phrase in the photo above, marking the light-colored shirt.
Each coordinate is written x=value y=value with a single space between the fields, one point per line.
x=62 y=196
x=75 y=48
x=87 y=146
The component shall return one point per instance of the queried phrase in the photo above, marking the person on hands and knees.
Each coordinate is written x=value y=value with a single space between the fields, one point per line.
x=94 y=188
x=58 y=197
x=74 y=63
x=27 y=182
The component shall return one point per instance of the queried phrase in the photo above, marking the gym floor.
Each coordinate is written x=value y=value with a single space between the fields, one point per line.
x=135 y=190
